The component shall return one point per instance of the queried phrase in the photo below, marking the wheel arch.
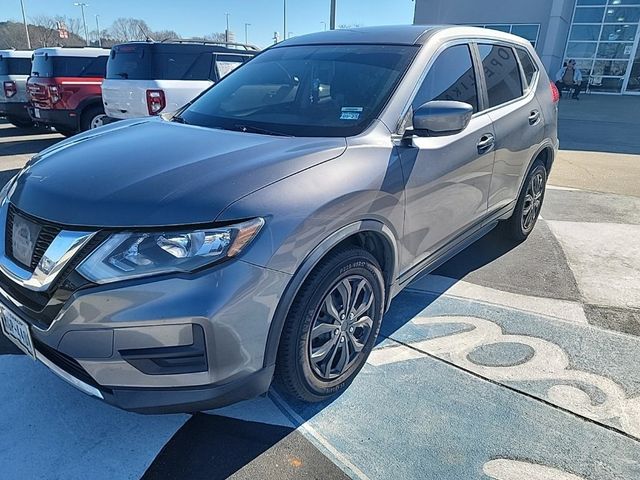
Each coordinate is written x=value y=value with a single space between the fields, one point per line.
x=371 y=235
x=546 y=153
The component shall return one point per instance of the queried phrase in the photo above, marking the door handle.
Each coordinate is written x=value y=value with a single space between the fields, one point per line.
x=534 y=116
x=486 y=143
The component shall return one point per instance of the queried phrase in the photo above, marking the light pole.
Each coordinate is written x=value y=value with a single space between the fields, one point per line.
x=324 y=26
x=26 y=29
x=84 y=21
x=332 y=18
x=98 y=30
x=246 y=33
x=284 y=19
x=226 y=32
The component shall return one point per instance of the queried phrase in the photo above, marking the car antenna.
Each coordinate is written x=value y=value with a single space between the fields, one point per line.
x=146 y=35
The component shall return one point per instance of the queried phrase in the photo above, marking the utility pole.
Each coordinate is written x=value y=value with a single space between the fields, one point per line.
x=98 y=30
x=332 y=18
x=246 y=32
x=26 y=28
x=84 y=21
x=226 y=32
x=284 y=19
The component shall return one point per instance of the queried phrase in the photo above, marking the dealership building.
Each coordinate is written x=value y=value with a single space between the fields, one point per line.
x=603 y=36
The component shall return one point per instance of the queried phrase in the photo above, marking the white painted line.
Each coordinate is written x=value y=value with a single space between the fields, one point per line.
x=567 y=189
x=562 y=309
x=508 y=469
x=322 y=443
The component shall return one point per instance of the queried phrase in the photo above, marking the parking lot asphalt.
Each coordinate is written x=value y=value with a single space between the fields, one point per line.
x=508 y=362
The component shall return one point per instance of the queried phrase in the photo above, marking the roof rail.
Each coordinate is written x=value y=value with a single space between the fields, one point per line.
x=239 y=46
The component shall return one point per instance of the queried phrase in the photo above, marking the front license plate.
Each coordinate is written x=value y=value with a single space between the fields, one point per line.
x=17 y=331
x=36 y=112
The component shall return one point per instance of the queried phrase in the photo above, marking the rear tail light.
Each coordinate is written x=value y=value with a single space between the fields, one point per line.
x=54 y=92
x=555 y=94
x=10 y=89
x=155 y=101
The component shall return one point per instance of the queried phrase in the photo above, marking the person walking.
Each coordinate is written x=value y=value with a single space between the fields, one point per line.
x=569 y=77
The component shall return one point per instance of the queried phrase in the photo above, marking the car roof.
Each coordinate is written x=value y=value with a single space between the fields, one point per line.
x=397 y=35
x=16 y=53
x=196 y=45
x=72 y=52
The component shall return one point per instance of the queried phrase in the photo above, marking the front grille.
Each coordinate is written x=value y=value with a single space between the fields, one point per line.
x=43 y=307
x=48 y=232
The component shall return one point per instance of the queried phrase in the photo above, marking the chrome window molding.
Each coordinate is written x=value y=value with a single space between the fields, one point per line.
x=62 y=249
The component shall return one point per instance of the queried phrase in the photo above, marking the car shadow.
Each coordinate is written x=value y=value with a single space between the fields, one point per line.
x=26 y=147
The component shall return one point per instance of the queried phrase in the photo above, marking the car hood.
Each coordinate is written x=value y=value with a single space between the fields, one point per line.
x=147 y=173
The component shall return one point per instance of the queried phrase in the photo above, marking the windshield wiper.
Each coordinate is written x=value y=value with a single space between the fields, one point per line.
x=123 y=75
x=179 y=119
x=251 y=129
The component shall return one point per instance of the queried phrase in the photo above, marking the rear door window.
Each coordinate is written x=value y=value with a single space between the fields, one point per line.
x=15 y=66
x=501 y=73
x=451 y=77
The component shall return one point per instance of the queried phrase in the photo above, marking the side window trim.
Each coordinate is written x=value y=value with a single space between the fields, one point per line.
x=483 y=96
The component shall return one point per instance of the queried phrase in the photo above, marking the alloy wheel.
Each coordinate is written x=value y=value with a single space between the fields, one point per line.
x=532 y=202
x=341 y=327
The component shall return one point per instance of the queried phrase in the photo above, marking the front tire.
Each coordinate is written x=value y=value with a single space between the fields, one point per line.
x=529 y=204
x=332 y=326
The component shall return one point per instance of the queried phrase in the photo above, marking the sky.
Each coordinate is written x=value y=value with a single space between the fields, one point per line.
x=192 y=18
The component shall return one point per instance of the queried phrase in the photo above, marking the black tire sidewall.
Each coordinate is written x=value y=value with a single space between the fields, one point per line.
x=362 y=264
x=515 y=222
x=89 y=115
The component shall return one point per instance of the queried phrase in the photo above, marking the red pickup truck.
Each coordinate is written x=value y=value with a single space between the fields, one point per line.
x=65 y=88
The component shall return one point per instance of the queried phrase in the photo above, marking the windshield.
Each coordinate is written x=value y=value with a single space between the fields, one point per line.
x=57 y=66
x=320 y=90
x=14 y=66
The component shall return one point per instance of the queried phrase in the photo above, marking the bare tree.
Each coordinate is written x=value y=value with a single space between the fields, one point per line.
x=44 y=33
x=128 y=29
x=215 y=37
x=164 y=34
x=12 y=35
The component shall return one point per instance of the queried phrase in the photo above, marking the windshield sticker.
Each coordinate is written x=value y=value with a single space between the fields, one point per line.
x=350 y=116
x=352 y=109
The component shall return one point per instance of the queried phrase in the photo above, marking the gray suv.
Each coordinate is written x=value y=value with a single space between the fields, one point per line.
x=260 y=233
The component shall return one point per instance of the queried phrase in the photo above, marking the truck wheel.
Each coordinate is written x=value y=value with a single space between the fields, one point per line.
x=92 y=118
x=332 y=326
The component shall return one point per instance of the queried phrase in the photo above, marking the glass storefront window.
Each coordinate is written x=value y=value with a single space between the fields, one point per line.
x=585 y=32
x=619 y=32
x=588 y=15
x=615 y=68
x=622 y=14
x=524 y=30
x=584 y=66
x=502 y=28
x=592 y=2
x=604 y=84
x=581 y=49
x=614 y=50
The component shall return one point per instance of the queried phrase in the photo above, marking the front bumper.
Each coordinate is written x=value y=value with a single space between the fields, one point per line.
x=128 y=343
x=15 y=110
x=66 y=120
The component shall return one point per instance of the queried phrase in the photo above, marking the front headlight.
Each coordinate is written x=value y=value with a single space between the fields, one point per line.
x=133 y=255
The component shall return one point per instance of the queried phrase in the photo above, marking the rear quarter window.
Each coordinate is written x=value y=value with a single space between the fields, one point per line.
x=528 y=66
x=15 y=66
x=60 y=66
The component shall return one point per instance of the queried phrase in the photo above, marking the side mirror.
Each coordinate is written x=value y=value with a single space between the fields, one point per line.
x=441 y=117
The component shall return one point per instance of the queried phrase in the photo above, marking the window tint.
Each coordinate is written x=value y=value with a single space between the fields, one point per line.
x=15 y=66
x=451 y=77
x=528 y=67
x=501 y=73
x=200 y=68
x=57 y=66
